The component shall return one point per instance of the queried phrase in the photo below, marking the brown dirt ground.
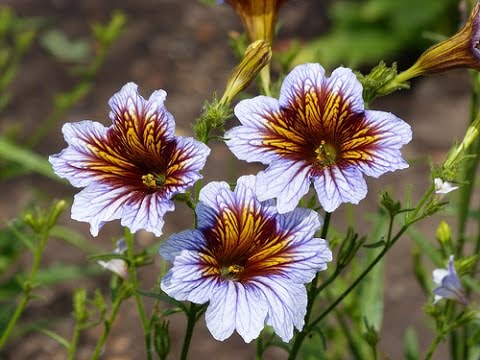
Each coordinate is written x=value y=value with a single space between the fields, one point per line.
x=181 y=47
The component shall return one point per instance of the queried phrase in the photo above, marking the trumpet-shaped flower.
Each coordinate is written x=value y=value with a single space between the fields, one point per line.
x=459 y=51
x=258 y=17
x=132 y=169
x=448 y=284
x=248 y=261
x=318 y=131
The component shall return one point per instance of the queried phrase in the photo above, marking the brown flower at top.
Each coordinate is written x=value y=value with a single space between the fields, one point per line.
x=258 y=17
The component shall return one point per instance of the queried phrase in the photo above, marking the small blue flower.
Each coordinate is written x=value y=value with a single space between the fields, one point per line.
x=132 y=169
x=317 y=131
x=448 y=284
x=249 y=262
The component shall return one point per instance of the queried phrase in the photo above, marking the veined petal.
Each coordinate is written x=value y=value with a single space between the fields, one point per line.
x=185 y=163
x=99 y=204
x=247 y=141
x=343 y=87
x=299 y=82
x=128 y=105
x=303 y=222
x=73 y=163
x=146 y=212
x=287 y=305
x=188 y=283
x=335 y=186
x=286 y=181
x=378 y=151
x=232 y=307
x=185 y=240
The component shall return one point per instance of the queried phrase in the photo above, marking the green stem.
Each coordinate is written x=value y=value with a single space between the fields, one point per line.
x=192 y=320
x=421 y=203
x=108 y=324
x=359 y=279
x=134 y=281
x=72 y=349
x=301 y=336
x=265 y=80
x=433 y=347
x=27 y=288
x=260 y=349
x=312 y=294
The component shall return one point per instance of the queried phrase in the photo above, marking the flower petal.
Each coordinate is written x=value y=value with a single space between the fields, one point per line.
x=338 y=185
x=128 y=103
x=300 y=81
x=99 y=203
x=343 y=83
x=185 y=163
x=383 y=150
x=73 y=163
x=146 y=212
x=185 y=240
x=287 y=181
x=186 y=281
x=235 y=307
x=247 y=141
x=287 y=305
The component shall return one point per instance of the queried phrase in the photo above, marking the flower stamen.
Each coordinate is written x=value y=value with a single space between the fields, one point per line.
x=326 y=154
x=231 y=272
x=153 y=181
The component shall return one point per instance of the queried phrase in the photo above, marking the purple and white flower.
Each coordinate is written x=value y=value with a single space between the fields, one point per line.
x=132 y=169
x=249 y=262
x=317 y=131
x=448 y=284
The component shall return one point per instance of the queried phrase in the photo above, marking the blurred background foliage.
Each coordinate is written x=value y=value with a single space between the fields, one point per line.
x=363 y=31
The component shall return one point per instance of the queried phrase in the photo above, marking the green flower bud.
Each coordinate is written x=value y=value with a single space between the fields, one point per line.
x=257 y=55
x=162 y=339
x=444 y=236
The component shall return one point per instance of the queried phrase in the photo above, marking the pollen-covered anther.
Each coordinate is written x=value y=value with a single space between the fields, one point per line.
x=326 y=154
x=152 y=181
x=231 y=272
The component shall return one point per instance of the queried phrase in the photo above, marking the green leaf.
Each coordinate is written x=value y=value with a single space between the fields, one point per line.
x=412 y=351
x=164 y=297
x=375 y=245
x=426 y=246
x=56 y=42
x=370 y=291
x=58 y=273
x=60 y=339
x=471 y=283
x=74 y=238
x=26 y=158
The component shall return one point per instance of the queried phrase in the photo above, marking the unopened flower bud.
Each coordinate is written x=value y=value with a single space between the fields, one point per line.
x=162 y=339
x=457 y=154
x=256 y=56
